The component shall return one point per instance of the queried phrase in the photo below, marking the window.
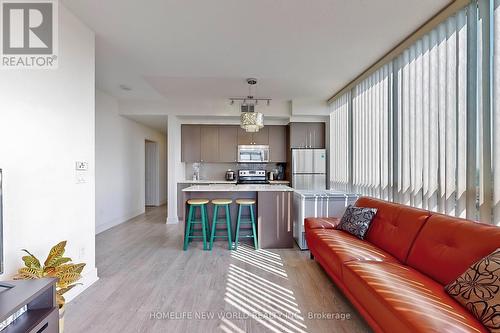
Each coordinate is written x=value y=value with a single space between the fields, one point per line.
x=371 y=134
x=339 y=143
x=420 y=126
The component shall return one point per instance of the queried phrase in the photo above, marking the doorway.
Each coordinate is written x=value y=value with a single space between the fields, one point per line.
x=152 y=168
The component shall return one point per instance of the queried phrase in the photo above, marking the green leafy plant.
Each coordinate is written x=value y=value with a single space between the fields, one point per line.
x=55 y=266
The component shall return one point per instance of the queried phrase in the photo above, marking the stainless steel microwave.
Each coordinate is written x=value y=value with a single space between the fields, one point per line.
x=253 y=153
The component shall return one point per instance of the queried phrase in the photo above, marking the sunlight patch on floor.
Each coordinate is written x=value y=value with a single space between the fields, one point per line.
x=256 y=297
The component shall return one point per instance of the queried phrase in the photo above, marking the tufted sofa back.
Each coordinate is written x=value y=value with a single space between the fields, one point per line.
x=447 y=246
x=394 y=227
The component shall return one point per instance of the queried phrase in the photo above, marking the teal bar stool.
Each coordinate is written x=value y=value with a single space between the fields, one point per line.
x=226 y=220
x=189 y=233
x=242 y=203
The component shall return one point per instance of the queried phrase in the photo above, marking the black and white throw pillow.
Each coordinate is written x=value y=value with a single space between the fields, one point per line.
x=356 y=220
x=478 y=290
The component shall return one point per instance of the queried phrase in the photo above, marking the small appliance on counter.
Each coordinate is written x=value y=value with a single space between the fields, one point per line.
x=274 y=174
x=230 y=175
x=323 y=203
x=252 y=177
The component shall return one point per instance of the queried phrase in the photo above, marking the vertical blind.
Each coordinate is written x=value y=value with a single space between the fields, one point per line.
x=409 y=125
x=370 y=134
x=339 y=142
x=496 y=113
x=431 y=119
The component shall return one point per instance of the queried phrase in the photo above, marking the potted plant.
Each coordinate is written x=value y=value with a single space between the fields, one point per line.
x=56 y=266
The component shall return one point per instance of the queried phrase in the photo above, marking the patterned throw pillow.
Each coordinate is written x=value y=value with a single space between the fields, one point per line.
x=478 y=289
x=356 y=220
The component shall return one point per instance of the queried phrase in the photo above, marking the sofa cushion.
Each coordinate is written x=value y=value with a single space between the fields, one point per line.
x=404 y=300
x=478 y=290
x=337 y=247
x=357 y=220
x=321 y=222
x=395 y=226
x=447 y=246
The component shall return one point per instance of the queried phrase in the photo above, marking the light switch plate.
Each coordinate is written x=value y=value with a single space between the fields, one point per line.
x=82 y=166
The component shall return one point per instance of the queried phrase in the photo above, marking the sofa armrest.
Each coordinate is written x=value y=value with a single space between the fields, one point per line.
x=321 y=222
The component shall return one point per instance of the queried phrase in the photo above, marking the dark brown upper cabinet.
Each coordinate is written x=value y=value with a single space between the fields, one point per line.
x=219 y=143
x=307 y=135
x=190 y=143
x=244 y=137
x=261 y=137
x=258 y=138
x=209 y=144
x=228 y=144
x=277 y=144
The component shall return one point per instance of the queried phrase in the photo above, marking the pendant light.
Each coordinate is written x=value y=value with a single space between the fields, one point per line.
x=250 y=120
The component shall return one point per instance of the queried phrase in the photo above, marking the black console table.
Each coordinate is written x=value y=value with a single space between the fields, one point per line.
x=39 y=296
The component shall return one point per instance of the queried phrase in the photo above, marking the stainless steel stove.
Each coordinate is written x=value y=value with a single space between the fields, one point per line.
x=252 y=177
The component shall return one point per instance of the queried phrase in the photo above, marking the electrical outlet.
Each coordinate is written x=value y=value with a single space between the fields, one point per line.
x=81 y=177
x=82 y=166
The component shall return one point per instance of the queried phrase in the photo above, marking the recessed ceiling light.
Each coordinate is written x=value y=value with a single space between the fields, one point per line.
x=125 y=87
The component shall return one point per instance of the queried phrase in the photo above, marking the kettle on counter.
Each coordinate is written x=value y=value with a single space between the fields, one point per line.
x=230 y=175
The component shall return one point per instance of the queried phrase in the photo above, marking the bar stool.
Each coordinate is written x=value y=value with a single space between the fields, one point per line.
x=224 y=204
x=191 y=221
x=250 y=203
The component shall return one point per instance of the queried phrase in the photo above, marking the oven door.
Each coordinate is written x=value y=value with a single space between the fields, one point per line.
x=253 y=154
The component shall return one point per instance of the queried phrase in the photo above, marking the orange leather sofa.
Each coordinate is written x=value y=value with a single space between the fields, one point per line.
x=396 y=276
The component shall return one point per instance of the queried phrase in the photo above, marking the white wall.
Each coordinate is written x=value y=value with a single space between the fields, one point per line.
x=46 y=125
x=175 y=168
x=120 y=164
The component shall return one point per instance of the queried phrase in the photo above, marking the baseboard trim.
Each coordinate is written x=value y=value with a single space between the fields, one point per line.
x=88 y=279
x=108 y=225
x=172 y=220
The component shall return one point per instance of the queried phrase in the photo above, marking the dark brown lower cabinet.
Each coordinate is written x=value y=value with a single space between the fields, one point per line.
x=274 y=213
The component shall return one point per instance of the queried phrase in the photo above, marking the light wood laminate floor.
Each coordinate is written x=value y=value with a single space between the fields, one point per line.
x=148 y=284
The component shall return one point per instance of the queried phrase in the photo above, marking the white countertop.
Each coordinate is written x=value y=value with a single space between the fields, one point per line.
x=204 y=181
x=238 y=188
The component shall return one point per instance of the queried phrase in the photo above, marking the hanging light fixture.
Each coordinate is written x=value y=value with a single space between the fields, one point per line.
x=250 y=119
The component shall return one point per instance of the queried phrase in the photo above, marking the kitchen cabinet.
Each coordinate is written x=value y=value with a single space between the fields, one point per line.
x=307 y=135
x=228 y=144
x=209 y=136
x=317 y=135
x=219 y=143
x=277 y=144
x=244 y=137
x=275 y=218
x=190 y=143
x=258 y=138
x=261 y=137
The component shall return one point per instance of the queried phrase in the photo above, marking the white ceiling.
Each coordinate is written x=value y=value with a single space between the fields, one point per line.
x=157 y=122
x=178 y=49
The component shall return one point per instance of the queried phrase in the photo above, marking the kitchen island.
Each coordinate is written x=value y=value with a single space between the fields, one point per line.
x=273 y=209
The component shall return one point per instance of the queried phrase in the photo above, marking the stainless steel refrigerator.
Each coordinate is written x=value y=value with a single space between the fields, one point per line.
x=309 y=169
